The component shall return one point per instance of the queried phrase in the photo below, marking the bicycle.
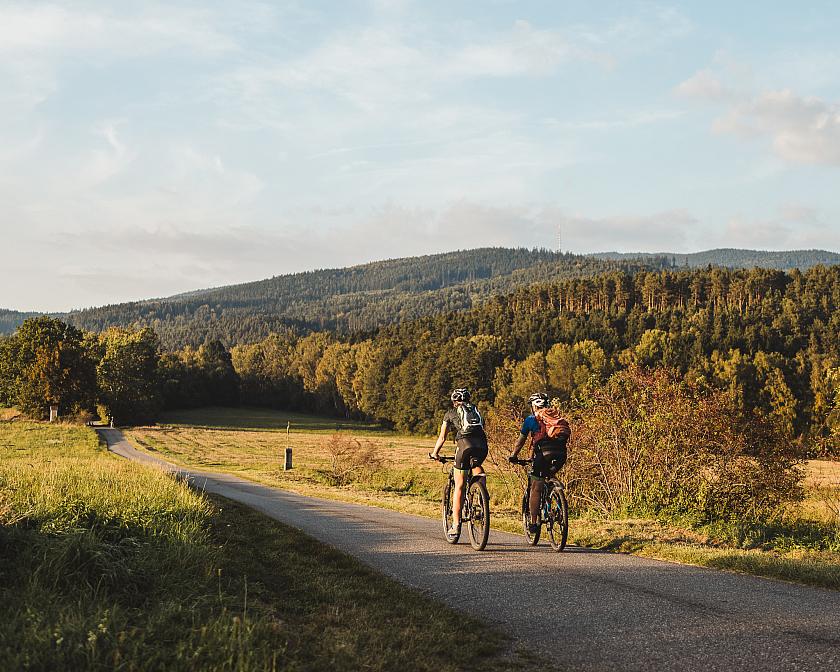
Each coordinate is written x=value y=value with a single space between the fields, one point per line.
x=554 y=511
x=475 y=509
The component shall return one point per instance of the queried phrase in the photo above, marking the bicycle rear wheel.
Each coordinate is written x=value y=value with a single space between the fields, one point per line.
x=532 y=539
x=446 y=505
x=479 y=507
x=558 y=519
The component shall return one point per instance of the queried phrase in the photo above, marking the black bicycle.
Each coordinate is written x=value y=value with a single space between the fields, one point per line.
x=554 y=511
x=475 y=509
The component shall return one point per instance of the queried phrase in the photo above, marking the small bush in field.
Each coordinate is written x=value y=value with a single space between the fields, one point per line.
x=351 y=459
x=502 y=428
x=648 y=441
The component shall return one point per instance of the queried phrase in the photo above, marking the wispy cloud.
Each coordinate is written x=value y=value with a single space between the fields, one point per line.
x=801 y=129
x=792 y=226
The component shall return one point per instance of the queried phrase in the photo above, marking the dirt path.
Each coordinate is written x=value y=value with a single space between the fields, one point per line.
x=593 y=610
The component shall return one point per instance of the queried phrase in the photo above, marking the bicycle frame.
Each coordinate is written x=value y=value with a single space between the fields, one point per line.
x=548 y=517
x=475 y=515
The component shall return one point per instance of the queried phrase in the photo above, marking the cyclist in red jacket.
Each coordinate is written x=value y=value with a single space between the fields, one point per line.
x=549 y=434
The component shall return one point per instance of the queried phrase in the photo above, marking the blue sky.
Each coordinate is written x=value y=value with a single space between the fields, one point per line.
x=151 y=148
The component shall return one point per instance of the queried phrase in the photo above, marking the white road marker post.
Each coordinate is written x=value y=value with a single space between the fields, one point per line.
x=288 y=463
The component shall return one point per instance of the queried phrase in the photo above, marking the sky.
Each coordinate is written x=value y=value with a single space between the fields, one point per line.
x=150 y=148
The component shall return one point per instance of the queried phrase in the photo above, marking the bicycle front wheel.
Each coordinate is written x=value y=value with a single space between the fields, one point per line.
x=446 y=507
x=558 y=519
x=479 y=507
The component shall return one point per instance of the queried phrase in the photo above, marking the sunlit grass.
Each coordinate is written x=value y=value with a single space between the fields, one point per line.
x=106 y=564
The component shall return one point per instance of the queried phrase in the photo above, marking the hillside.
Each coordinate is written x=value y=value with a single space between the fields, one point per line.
x=365 y=297
x=783 y=260
x=354 y=299
x=11 y=319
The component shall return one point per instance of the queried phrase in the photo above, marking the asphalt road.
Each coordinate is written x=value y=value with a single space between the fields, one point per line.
x=592 y=610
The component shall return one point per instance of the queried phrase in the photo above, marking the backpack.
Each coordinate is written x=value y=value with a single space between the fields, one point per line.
x=470 y=419
x=552 y=426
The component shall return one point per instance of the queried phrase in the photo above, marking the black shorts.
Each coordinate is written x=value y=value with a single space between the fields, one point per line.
x=470 y=448
x=548 y=460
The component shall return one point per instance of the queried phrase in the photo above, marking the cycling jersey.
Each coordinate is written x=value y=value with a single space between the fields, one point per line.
x=453 y=424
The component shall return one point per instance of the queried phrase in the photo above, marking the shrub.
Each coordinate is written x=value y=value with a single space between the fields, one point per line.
x=351 y=459
x=649 y=442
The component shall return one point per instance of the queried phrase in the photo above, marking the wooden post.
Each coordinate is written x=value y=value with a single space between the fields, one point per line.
x=287 y=464
x=53 y=412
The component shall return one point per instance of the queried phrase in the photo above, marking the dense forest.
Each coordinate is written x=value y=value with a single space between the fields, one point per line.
x=770 y=339
x=359 y=298
x=367 y=297
x=12 y=319
x=731 y=258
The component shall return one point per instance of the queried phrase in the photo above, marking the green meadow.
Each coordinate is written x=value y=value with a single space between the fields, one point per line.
x=109 y=565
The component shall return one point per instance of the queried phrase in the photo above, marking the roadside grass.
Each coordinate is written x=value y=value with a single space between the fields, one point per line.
x=804 y=544
x=106 y=564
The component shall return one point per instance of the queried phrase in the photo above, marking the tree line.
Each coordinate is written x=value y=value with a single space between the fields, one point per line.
x=770 y=339
x=118 y=374
x=347 y=300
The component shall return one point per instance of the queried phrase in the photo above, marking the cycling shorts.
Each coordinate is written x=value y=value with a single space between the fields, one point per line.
x=548 y=460
x=470 y=448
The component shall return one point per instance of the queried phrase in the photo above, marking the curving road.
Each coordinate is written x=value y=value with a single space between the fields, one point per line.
x=607 y=611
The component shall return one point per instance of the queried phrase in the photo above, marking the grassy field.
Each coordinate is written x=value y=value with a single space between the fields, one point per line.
x=260 y=419
x=105 y=564
x=393 y=471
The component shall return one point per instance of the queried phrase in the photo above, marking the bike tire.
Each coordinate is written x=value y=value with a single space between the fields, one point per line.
x=558 y=519
x=532 y=539
x=479 y=521
x=446 y=512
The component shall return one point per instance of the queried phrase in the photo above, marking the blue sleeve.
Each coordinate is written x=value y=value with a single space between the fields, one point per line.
x=530 y=426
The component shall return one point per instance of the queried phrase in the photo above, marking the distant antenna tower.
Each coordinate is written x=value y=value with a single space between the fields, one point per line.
x=559 y=238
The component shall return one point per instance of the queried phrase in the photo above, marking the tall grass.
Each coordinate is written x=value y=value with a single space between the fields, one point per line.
x=104 y=564
x=109 y=565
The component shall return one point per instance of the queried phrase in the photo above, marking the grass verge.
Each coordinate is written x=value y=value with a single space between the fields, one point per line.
x=105 y=564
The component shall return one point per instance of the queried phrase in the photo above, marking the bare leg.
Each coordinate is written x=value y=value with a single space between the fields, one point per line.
x=458 y=496
x=536 y=492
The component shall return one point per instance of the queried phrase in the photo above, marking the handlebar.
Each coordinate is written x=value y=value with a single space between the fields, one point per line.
x=441 y=458
x=521 y=463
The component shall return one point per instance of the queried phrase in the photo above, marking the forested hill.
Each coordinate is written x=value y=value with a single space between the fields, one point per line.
x=359 y=298
x=731 y=258
x=12 y=319
x=366 y=297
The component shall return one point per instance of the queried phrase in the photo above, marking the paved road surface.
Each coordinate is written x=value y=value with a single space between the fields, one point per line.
x=608 y=611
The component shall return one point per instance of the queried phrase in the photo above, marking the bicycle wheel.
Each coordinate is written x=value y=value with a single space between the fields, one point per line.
x=532 y=539
x=479 y=506
x=558 y=519
x=446 y=512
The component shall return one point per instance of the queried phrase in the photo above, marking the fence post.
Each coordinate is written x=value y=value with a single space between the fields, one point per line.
x=287 y=464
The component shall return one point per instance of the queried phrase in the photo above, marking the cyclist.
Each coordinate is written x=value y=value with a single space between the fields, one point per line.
x=549 y=453
x=465 y=421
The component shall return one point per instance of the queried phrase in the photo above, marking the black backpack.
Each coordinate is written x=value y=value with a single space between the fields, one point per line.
x=469 y=419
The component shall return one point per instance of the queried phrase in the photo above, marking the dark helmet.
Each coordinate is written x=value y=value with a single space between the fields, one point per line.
x=460 y=394
x=539 y=399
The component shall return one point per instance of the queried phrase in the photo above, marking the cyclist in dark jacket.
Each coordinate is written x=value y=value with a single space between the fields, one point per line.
x=471 y=442
x=549 y=454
